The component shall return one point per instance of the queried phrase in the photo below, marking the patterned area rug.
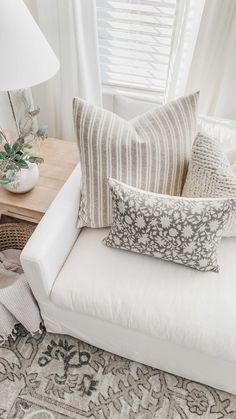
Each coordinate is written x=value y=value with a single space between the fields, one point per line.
x=55 y=376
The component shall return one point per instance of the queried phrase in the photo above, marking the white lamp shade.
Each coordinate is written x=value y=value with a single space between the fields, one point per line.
x=26 y=58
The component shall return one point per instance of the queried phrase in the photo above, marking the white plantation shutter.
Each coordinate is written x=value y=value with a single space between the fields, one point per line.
x=135 y=43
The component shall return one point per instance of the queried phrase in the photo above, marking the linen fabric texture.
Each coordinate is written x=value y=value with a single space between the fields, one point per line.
x=150 y=152
x=211 y=175
x=182 y=230
x=17 y=304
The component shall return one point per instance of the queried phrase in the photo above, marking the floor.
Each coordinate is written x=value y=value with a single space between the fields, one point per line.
x=54 y=376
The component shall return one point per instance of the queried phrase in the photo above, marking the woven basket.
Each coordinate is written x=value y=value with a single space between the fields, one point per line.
x=15 y=235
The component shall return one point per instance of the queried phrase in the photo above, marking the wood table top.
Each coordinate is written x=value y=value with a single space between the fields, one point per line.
x=60 y=158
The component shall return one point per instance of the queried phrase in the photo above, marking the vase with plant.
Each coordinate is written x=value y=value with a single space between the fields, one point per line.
x=19 y=157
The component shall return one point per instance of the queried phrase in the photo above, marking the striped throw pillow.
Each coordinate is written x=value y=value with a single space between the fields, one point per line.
x=150 y=152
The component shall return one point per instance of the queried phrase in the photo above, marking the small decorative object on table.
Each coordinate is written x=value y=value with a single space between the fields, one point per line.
x=19 y=158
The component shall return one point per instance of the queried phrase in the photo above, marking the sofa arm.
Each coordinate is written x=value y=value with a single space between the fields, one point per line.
x=52 y=240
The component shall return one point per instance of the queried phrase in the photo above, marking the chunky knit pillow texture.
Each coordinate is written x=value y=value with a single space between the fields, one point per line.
x=181 y=230
x=211 y=175
x=150 y=152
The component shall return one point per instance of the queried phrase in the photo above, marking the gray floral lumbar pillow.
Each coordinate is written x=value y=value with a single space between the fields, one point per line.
x=182 y=230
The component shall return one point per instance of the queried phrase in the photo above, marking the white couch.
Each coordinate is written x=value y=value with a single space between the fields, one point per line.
x=155 y=312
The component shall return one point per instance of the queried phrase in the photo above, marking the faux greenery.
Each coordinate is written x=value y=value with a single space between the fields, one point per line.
x=17 y=154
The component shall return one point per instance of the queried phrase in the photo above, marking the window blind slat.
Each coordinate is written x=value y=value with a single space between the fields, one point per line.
x=120 y=12
x=144 y=6
x=132 y=16
x=136 y=81
x=111 y=53
x=133 y=36
x=157 y=95
x=146 y=28
x=136 y=47
x=130 y=62
x=136 y=71
x=135 y=43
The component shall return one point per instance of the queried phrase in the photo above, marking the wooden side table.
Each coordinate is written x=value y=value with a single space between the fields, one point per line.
x=60 y=158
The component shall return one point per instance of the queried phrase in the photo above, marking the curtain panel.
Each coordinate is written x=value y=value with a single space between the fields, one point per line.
x=213 y=68
x=71 y=29
x=187 y=24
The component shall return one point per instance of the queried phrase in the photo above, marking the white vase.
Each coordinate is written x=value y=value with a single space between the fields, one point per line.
x=25 y=179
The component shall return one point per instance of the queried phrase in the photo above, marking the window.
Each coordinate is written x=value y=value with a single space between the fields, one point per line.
x=135 y=44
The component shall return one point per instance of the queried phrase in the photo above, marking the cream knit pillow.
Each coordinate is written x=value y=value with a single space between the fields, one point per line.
x=210 y=175
x=150 y=152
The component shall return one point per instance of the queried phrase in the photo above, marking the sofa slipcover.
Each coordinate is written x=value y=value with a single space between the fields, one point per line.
x=154 y=312
x=155 y=297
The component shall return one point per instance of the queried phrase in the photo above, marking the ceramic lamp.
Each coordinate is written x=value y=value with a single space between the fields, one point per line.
x=26 y=57
x=26 y=60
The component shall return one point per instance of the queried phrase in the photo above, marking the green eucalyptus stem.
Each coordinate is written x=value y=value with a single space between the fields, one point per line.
x=17 y=155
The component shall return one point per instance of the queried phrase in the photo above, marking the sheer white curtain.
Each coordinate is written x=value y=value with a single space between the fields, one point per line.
x=70 y=27
x=213 y=68
x=187 y=24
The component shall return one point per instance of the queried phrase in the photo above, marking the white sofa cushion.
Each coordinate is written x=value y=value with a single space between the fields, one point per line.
x=161 y=299
x=128 y=108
